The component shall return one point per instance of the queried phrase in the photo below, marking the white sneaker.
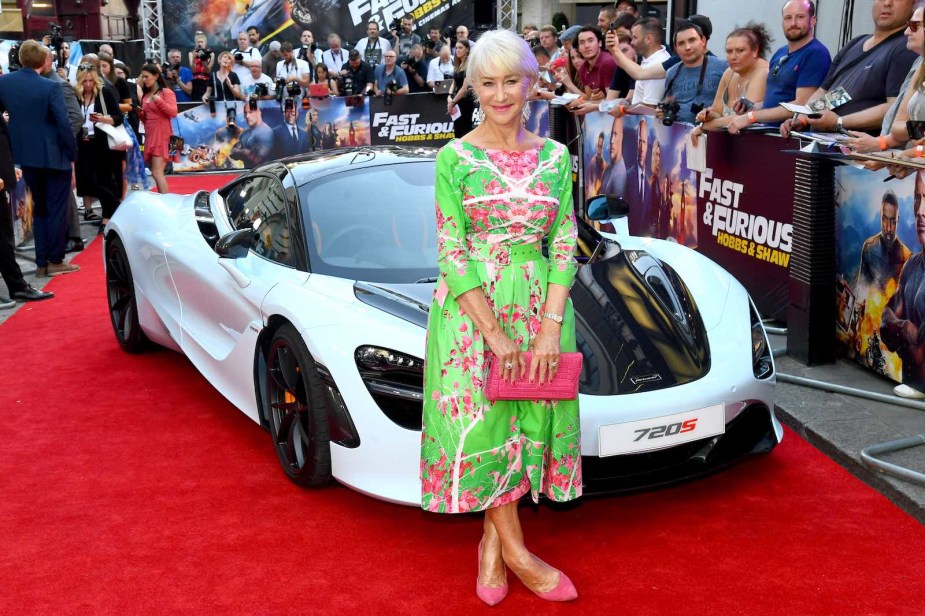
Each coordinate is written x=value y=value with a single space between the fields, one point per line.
x=6 y=302
x=904 y=391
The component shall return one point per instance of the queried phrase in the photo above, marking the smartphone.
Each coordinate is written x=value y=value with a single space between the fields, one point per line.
x=916 y=129
x=747 y=105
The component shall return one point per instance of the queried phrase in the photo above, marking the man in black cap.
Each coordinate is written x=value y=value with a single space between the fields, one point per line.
x=356 y=76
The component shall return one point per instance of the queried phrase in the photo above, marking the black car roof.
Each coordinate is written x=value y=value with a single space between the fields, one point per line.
x=305 y=167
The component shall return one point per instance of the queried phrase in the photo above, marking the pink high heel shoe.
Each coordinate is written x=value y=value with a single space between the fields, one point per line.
x=491 y=595
x=564 y=590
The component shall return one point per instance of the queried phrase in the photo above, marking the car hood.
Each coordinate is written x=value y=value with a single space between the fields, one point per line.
x=637 y=324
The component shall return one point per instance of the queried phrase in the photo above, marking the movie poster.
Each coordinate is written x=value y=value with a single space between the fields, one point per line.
x=284 y=20
x=879 y=322
x=238 y=137
x=21 y=200
x=643 y=161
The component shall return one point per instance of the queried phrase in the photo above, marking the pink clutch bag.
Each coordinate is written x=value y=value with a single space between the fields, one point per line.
x=564 y=385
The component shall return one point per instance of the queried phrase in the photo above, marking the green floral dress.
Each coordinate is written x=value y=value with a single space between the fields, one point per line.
x=493 y=210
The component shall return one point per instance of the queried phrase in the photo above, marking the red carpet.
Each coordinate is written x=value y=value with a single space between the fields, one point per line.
x=131 y=487
x=190 y=183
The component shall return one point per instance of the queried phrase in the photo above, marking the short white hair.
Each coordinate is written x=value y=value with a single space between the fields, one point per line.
x=500 y=53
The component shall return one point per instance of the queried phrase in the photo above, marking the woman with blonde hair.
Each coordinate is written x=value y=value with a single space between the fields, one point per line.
x=98 y=169
x=461 y=98
x=224 y=85
x=501 y=191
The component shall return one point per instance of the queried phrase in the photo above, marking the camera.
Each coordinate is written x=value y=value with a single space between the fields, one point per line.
x=429 y=44
x=289 y=104
x=238 y=57
x=230 y=116
x=449 y=32
x=348 y=86
x=669 y=109
x=13 y=58
x=293 y=89
x=280 y=85
x=166 y=67
x=204 y=55
x=251 y=103
x=261 y=89
x=389 y=92
x=395 y=26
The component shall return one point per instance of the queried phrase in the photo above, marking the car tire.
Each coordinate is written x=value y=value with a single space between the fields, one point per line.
x=296 y=407
x=120 y=295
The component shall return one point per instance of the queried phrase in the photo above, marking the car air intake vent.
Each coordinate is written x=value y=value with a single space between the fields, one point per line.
x=204 y=219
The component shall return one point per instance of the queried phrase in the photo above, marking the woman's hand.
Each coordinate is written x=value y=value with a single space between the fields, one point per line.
x=545 y=347
x=508 y=353
x=706 y=115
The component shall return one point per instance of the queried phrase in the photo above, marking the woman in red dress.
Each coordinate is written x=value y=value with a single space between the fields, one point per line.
x=158 y=106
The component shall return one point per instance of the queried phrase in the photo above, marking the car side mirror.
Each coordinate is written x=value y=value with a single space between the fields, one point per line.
x=605 y=207
x=237 y=244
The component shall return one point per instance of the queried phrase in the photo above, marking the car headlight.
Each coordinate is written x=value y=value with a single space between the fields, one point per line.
x=762 y=364
x=395 y=381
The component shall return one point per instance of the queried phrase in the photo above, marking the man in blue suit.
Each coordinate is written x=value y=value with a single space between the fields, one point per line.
x=288 y=137
x=44 y=148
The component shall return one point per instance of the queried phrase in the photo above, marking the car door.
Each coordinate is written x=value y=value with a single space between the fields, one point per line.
x=220 y=298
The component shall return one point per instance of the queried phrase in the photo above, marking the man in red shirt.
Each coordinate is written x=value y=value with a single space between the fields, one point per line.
x=598 y=68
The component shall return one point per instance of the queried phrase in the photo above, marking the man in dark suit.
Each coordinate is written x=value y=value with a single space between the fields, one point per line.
x=638 y=184
x=74 y=242
x=288 y=137
x=44 y=148
x=16 y=285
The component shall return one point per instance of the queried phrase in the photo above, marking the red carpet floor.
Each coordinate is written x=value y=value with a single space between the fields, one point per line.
x=131 y=487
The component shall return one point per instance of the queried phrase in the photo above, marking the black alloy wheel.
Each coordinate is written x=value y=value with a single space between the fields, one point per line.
x=120 y=294
x=296 y=408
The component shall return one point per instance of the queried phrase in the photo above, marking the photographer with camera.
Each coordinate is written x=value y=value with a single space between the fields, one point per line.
x=334 y=57
x=177 y=77
x=309 y=50
x=357 y=78
x=256 y=141
x=373 y=46
x=243 y=55
x=691 y=85
x=404 y=38
x=440 y=68
x=291 y=68
x=256 y=84
x=390 y=79
x=415 y=68
x=432 y=43
x=201 y=60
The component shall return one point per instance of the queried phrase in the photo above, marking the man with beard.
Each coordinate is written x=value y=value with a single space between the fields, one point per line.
x=870 y=68
x=883 y=255
x=901 y=326
x=256 y=142
x=796 y=70
x=373 y=47
x=613 y=182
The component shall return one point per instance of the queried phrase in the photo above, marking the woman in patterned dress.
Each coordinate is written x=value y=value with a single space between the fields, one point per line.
x=500 y=191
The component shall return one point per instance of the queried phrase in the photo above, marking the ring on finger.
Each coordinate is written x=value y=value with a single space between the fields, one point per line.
x=508 y=366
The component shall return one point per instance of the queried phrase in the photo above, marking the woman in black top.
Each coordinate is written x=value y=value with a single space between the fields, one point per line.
x=462 y=95
x=98 y=169
x=224 y=84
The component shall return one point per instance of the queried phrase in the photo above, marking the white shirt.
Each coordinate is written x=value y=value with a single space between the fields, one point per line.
x=651 y=91
x=438 y=71
x=248 y=82
x=240 y=69
x=376 y=52
x=294 y=69
x=334 y=60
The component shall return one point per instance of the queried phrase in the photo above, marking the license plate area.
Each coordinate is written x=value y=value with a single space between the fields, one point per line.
x=661 y=432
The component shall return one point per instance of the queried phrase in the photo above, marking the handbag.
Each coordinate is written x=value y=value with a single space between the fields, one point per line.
x=564 y=384
x=116 y=136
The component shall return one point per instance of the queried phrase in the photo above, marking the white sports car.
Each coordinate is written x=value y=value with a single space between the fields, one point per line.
x=301 y=289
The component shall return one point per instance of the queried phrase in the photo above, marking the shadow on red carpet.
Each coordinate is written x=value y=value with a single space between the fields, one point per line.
x=130 y=486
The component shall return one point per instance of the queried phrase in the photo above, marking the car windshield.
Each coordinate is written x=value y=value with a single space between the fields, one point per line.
x=375 y=224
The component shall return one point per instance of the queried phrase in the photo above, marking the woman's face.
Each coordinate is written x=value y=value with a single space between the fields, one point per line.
x=462 y=50
x=502 y=97
x=120 y=73
x=576 y=59
x=147 y=79
x=739 y=53
x=225 y=61
x=322 y=72
x=88 y=82
x=105 y=67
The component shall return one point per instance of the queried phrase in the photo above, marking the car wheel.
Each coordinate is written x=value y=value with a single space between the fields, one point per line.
x=120 y=292
x=296 y=409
